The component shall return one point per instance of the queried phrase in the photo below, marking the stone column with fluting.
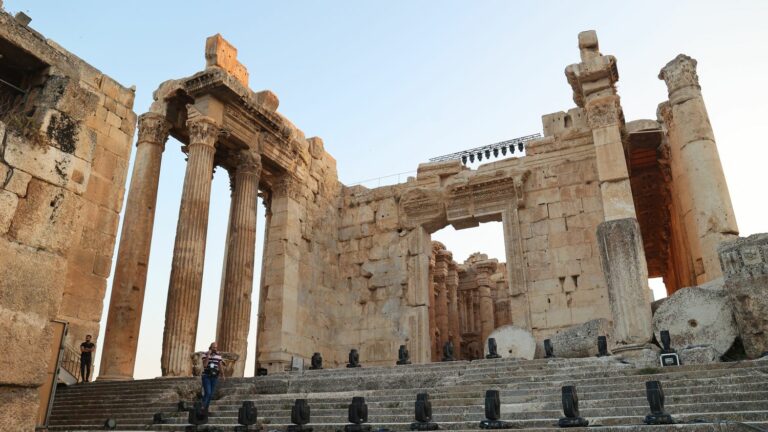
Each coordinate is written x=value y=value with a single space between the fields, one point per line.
x=183 y=305
x=434 y=343
x=697 y=175
x=452 y=285
x=484 y=270
x=118 y=356
x=442 y=258
x=235 y=313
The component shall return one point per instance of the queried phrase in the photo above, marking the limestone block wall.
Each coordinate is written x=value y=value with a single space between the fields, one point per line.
x=65 y=141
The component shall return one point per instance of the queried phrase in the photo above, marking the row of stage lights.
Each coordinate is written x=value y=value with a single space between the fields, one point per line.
x=496 y=149
x=357 y=416
x=358 y=410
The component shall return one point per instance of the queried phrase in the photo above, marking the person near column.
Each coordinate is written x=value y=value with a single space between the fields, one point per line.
x=86 y=358
x=212 y=364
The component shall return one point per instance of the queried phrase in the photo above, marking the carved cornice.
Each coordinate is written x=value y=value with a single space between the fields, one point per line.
x=680 y=73
x=605 y=112
x=485 y=268
x=153 y=129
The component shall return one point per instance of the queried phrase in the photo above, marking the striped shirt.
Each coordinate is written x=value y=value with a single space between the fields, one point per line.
x=212 y=360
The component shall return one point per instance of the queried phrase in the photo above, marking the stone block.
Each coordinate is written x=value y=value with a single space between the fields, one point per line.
x=580 y=340
x=67 y=95
x=699 y=354
x=513 y=342
x=744 y=262
x=699 y=315
x=30 y=279
x=18 y=182
x=26 y=335
x=19 y=408
x=48 y=218
x=48 y=163
x=220 y=53
x=8 y=204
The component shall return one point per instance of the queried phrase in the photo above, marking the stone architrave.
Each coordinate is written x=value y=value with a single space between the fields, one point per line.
x=235 y=312
x=512 y=342
x=695 y=165
x=183 y=306
x=699 y=315
x=121 y=337
x=744 y=263
x=484 y=271
x=623 y=263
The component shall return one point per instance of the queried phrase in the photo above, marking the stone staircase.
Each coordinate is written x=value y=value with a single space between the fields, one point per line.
x=721 y=396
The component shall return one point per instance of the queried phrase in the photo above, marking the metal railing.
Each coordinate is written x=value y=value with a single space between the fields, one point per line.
x=70 y=361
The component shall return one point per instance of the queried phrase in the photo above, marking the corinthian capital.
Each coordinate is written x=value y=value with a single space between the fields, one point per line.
x=202 y=129
x=248 y=161
x=680 y=73
x=153 y=129
x=287 y=186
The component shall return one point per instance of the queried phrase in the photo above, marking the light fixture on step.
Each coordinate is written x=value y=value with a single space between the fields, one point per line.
x=448 y=351
x=571 y=409
x=110 y=424
x=493 y=349
x=198 y=415
x=354 y=359
x=668 y=355
x=159 y=418
x=655 y=394
x=299 y=416
x=493 y=412
x=403 y=357
x=602 y=346
x=358 y=416
x=246 y=416
x=316 y=362
x=181 y=406
x=423 y=414
x=261 y=371
x=548 y=349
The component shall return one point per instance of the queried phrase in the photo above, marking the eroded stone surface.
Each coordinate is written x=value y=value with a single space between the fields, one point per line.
x=580 y=340
x=699 y=315
x=513 y=342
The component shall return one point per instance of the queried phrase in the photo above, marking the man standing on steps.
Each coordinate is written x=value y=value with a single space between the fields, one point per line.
x=86 y=358
x=212 y=364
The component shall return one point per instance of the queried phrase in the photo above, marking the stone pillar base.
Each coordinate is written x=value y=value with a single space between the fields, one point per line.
x=114 y=378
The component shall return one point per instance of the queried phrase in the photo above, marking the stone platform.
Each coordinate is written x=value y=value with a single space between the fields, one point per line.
x=720 y=396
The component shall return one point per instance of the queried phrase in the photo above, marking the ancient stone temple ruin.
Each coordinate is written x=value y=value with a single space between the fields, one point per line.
x=596 y=206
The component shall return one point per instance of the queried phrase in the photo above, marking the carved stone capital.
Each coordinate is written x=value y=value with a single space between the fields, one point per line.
x=486 y=268
x=202 y=130
x=439 y=278
x=604 y=112
x=664 y=114
x=248 y=162
x=679 y=74
x=288 y=186
x=153 y=129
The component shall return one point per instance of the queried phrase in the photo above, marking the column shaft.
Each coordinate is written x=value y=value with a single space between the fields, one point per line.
x=234 y=321
x=452 y=284
x=118 y=356
x=183 y=306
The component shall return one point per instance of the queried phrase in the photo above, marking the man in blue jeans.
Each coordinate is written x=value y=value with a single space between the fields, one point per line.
x=212 y=364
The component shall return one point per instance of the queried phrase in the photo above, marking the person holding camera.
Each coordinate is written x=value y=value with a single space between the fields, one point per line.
x=212 y=364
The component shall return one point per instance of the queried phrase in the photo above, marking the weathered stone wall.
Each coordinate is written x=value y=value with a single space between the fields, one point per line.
x=64 y=151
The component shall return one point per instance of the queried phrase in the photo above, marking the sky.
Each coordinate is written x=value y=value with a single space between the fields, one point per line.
x=389 y=84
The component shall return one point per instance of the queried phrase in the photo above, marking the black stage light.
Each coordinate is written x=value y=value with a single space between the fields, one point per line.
x=358 y=416
x=549 y=351
x=493 y=412
x=354 y=359
x=571 y=409
x=316 y=361
x=655 y=394
x=493 y=349
x=423 y=414
x=110 y=424
x=602 y=346
x=403 y=357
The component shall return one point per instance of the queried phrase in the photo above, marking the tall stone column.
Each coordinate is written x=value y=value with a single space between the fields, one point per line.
x=443 y=257
x=433 y=342
x=484 y=271
x=118 y=356
x=696 y=170
x=183 y=306
x=235 y=313
x=452 y=285
x=623 y=263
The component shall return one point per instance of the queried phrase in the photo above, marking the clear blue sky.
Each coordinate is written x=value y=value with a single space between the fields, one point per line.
x=388 y=84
